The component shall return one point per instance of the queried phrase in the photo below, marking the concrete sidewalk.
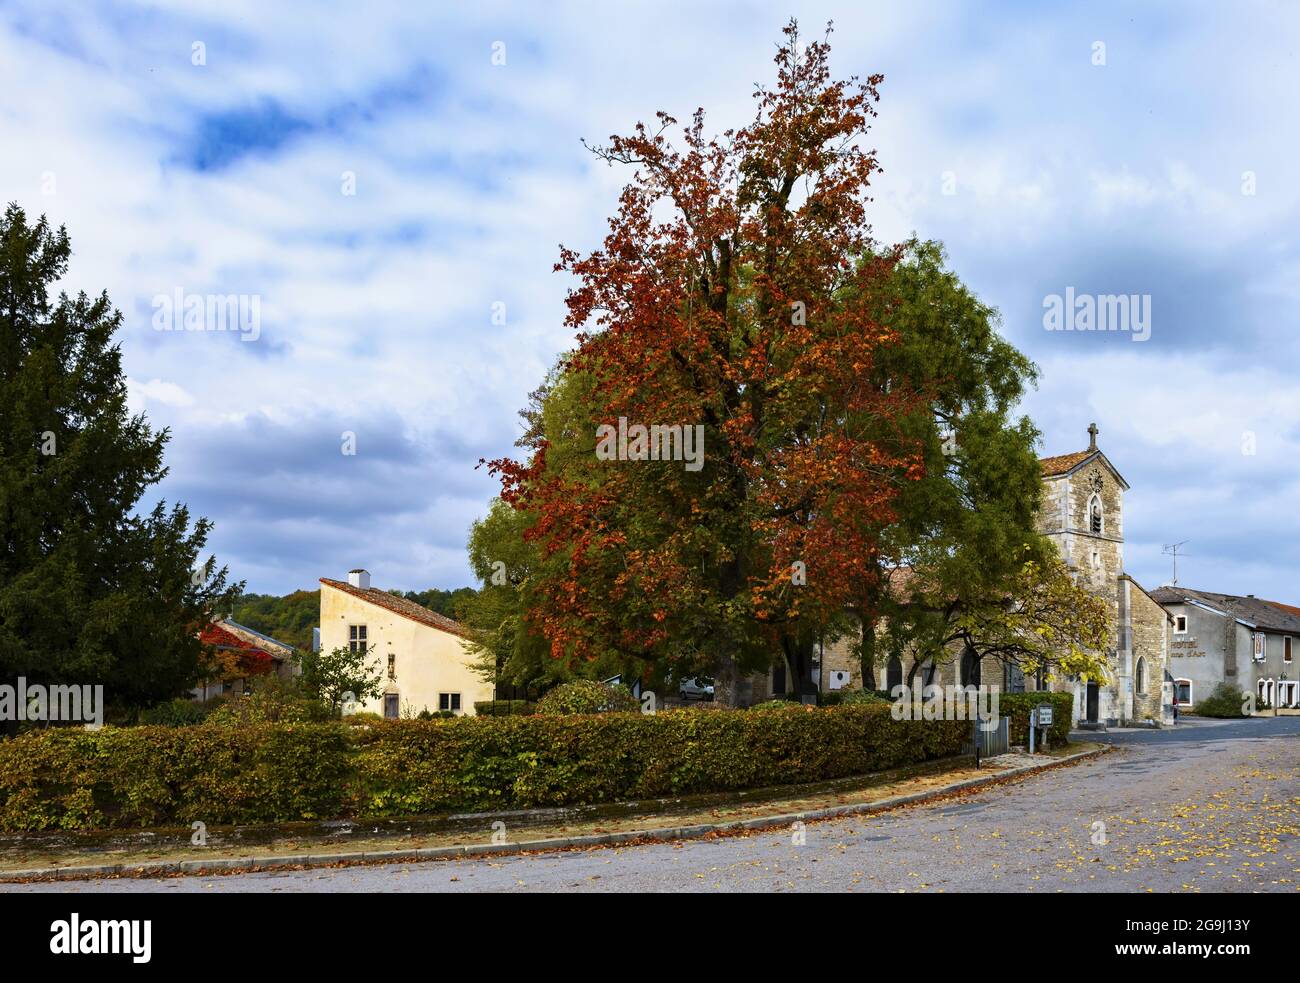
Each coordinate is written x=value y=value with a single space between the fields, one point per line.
x=738 y=817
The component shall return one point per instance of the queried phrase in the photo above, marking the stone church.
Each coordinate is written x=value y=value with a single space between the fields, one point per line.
x=1083 y=514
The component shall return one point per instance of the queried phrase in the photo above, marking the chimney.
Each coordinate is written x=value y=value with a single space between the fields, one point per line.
x=359 y=578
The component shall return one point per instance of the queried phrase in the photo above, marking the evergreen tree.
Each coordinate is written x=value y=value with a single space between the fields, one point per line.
x=92 y=591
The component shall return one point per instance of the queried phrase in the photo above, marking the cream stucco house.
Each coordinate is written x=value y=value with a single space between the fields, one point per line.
x=423 y=656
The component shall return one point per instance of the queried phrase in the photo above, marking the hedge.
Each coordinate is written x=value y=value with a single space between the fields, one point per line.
x=1017 y=707
x=503 y=708
x=64 y=778
x=154 y=776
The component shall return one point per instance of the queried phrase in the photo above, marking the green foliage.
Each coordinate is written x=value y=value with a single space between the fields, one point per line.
x=153 y=776
x=777 y=704
x=1227 y=700
x=476 y=763
x=863 y=697
x=449 y=603
x=504 y=708
x=1017 y=707
x=92 y=589
x=587 y=696
x=64 y=778
x=329 y=676
x=272 y=700
x=180 y=712
x=287 y=619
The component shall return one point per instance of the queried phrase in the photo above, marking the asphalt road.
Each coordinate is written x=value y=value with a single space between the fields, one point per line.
x=1211 y=806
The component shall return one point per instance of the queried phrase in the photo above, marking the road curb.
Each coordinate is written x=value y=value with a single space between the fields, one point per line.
x=163 y=868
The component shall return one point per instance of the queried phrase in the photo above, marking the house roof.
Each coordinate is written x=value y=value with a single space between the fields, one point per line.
x=1262 y=614
x=252 y=657
x=400 y=605
x=276 y=648
x=1063 y=464
x=1288 y=608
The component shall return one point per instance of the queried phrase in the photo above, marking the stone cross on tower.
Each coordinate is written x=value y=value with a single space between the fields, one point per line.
x=1092 y=436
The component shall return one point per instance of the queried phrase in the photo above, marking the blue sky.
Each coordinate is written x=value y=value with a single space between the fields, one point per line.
x=1132 y=176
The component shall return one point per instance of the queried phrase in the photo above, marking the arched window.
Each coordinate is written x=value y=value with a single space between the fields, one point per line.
x=970 y=668
x=894 y=673
x=1096 y=522
x=1141 y=676
x=927 y=672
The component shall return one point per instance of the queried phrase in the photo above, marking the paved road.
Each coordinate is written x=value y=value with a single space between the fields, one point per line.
x=1210 y=806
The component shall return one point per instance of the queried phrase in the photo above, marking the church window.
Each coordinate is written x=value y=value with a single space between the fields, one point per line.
x=1141 y=675
x=1095 y=524
x=970 y=668
x=894 y=673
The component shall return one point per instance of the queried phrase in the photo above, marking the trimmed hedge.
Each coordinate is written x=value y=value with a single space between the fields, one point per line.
x=504 y=708
x=475 y=764
x=158 y=776
x=1017 y=707
x=65 y=778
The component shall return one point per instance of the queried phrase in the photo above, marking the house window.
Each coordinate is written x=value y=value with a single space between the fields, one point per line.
x=1141 y=676
x=357 y=638
x=392 y=666
x=1286 y=649
x=1180 y=624
x=449 y=701
x=1183 y=692
x=1260 y=649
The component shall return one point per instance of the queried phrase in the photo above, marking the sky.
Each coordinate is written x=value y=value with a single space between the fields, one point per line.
x=391 y=184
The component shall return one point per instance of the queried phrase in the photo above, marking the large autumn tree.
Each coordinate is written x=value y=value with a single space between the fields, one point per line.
x=92 y=589
x=739 y=291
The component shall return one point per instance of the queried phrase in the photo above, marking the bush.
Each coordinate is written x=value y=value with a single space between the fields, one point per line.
x=67 y=778
x=863 y=697
x=480 y=763
x=778 y=704
x=180 y=712
x=150 y=776
x=503 y=708
x=362 y=717
x=1017 y=707
x=1227 y=700
x=587 y=696
x=273 y=706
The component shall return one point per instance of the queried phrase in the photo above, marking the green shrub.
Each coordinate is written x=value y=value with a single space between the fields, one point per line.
x=481 y=763
x=503 y=708
x=1017 y=707
x=1227 y=700
x=362 y=717
x=159 y=776
x=587 y=696
x=863 y=697
x=780 y=703
x=67 y=778
x=180 y=712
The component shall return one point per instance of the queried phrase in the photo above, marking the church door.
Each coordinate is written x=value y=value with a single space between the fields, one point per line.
x=1093 y=693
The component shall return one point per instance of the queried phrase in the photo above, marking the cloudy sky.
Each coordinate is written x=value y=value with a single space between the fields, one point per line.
x=211 y=149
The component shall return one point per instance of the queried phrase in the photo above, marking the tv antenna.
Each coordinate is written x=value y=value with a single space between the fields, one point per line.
x=1171 y=549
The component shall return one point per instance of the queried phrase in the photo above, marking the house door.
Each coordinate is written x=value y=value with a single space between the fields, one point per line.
x=391 y=706
x=1091 y=703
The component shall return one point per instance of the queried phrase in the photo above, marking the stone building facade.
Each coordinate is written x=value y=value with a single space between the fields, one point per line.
x=1083 y=514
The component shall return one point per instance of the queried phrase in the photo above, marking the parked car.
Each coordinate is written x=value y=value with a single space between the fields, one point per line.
x=695 y=688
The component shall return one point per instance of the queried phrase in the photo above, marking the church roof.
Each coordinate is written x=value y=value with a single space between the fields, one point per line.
x=1063 y=464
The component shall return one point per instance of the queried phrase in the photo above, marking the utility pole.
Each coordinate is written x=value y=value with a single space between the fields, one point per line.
x=1171 y=549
